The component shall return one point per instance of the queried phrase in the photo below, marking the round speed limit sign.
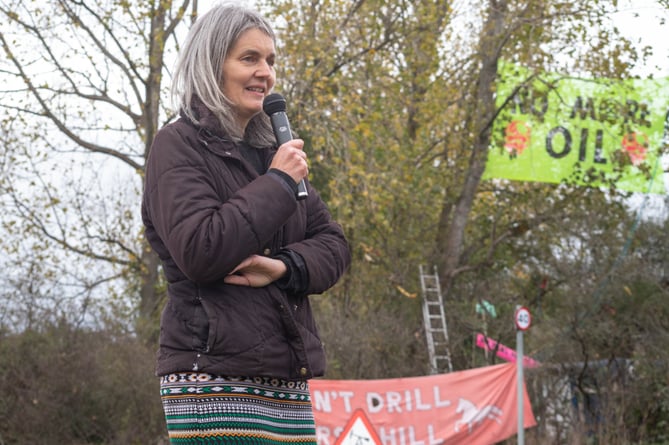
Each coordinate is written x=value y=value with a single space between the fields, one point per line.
x=523 y=318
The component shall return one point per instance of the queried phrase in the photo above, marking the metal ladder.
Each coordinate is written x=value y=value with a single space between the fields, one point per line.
x=435 y=321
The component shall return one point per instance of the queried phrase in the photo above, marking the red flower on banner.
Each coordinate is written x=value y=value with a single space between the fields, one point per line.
x=516 y=138
x=636 y=149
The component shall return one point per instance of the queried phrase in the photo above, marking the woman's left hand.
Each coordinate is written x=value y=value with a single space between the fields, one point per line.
x=256 y=271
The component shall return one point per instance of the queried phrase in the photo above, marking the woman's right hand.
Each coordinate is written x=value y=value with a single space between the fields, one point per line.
x=256 y=271
x=292 y=160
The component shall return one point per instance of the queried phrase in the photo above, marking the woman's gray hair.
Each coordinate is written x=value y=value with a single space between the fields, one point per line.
x=198 y=71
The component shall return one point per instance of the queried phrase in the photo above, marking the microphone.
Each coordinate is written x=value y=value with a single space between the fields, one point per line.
x=274 y=105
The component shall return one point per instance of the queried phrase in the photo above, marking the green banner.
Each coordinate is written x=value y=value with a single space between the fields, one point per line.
x=598 y=132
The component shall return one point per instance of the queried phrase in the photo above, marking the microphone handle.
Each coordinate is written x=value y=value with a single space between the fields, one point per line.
x=283 y=134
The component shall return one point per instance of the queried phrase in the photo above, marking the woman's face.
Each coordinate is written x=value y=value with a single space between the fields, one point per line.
x=248 y=73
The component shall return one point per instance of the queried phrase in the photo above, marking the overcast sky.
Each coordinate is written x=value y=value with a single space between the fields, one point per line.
x=641 y=21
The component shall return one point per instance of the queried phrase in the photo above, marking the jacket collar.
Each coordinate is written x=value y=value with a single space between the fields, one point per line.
x=208 y=123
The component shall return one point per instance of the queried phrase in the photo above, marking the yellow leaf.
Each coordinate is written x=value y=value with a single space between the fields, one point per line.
x=405 y=292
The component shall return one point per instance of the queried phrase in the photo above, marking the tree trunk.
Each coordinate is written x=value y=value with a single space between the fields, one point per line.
x=151 y=297
x=453 y=220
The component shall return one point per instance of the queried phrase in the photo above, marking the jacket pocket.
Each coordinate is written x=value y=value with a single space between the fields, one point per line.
x=239 y=319
x=199 y=327
x=184 y=325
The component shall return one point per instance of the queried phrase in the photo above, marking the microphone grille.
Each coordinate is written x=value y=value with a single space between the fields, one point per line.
x=274 y=103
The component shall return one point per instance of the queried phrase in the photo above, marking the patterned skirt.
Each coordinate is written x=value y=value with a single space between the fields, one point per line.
x=201 y=408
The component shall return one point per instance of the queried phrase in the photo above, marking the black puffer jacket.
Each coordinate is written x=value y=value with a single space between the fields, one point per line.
x=205 y=209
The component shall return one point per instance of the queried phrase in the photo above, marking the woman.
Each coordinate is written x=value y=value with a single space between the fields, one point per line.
x=240 y=253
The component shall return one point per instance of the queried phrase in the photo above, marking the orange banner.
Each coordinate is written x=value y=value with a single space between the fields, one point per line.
x=473 y=407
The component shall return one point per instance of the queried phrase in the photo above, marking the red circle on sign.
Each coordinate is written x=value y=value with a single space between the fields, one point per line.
x=523 y=318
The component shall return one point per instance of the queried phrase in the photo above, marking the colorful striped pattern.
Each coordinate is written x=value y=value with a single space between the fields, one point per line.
x=201 y=408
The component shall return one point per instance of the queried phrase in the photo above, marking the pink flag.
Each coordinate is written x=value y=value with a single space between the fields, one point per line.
x=503 y=352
